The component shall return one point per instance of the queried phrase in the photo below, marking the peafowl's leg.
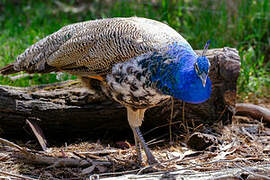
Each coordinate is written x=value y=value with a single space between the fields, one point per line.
x=138 y=147
x=135 y=118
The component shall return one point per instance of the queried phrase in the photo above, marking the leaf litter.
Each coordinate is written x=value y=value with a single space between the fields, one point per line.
x=245 y=142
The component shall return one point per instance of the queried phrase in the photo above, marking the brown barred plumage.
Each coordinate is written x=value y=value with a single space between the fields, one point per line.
x=93 y=47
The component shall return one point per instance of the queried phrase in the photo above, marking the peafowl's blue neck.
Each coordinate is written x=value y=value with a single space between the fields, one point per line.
x=173 y=73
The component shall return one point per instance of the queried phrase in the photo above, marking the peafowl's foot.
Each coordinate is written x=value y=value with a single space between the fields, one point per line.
x=150 y=157
x=139 y=157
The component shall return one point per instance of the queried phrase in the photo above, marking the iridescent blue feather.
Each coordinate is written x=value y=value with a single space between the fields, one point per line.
x=173 y=73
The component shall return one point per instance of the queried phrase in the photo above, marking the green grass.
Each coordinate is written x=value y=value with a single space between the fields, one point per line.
x=244 y=24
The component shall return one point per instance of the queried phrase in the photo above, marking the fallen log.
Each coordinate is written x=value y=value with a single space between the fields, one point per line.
x=66 y=109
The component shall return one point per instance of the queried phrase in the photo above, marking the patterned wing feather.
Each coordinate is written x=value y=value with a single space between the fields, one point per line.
x=93 y=47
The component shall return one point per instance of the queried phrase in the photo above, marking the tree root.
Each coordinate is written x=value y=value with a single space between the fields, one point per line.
x=255 y=111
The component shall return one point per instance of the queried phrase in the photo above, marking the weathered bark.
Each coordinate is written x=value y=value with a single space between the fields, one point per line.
x=67 y=109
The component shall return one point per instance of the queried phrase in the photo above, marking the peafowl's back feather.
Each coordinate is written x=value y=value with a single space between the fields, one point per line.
x=93 y=47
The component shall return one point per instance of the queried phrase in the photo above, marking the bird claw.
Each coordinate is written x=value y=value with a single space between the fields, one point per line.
x=152 y=161
x=139 y=163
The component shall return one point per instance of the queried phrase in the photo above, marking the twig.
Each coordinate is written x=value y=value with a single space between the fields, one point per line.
x=170 y=121
x=138 y=171
x=120 y=173
x=184 y=120
x=16 y=175
x=143 y=169
x=250 y=172
x=80 y=156
x=196 y=128
x=14 y=78
x=247 y=133
x=194 y=166
x=104 y=152
x=161 y=126
x=155 y=140
x=221 y=114
x=38 y=133
x=39 y=159
x=4 y=141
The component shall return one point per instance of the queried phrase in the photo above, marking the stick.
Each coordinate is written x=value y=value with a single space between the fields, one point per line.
x=161 y=126
x=250 y=172
x=14 y=78
x=4 y=141
x=103 y=152
x=52 y=161
x=194 y=166
x=120 y=173
x=16 y=175
x=38 y=133
x=170 y=121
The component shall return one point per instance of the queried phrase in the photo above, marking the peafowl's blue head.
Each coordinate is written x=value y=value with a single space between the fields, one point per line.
x=182 y=74
x=202 y=65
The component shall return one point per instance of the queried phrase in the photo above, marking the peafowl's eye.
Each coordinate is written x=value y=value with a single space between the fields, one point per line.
x=197 y=68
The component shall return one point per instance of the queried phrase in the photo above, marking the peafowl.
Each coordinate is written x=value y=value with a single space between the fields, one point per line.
x=140 y=62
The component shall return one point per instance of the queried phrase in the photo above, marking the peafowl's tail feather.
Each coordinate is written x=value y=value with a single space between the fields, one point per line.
x=8 y=69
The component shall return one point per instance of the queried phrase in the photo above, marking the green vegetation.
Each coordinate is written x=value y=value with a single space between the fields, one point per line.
x=244 y=24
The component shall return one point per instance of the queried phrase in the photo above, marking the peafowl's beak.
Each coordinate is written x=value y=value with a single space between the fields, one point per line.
x=203 y=77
